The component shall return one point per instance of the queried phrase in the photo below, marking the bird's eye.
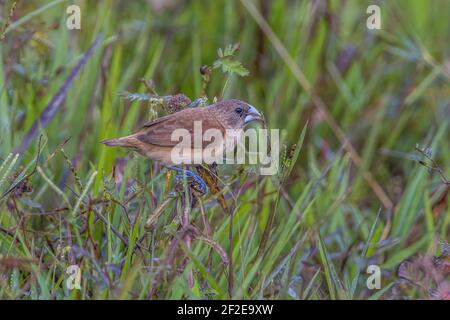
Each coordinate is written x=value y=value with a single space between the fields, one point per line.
x=238 y=110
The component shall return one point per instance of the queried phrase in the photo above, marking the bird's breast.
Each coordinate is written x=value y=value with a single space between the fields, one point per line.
x=232 y=137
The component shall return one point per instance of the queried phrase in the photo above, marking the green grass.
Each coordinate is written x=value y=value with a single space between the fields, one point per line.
x=351 y=195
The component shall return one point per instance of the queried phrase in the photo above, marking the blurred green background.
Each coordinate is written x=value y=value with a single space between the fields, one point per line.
x=357 y=195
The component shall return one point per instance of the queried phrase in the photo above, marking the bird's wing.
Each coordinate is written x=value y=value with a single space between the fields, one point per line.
x=159 y=131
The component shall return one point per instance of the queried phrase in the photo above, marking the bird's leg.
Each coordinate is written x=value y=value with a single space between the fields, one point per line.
x=199 y=184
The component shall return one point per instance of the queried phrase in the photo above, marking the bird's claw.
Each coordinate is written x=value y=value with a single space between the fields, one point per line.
x=194 y=180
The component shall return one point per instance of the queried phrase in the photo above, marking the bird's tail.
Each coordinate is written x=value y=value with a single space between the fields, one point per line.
x=118 y=142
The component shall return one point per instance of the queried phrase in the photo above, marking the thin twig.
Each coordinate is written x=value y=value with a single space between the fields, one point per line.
x=434 y=165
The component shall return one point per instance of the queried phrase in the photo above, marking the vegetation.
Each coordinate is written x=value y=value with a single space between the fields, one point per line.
x=364 y=118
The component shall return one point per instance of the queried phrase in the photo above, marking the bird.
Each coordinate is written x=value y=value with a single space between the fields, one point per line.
x=155 y=139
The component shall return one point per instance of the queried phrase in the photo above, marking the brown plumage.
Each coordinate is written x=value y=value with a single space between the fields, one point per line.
x=154 y=138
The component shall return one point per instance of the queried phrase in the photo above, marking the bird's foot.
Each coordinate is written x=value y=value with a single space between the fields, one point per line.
x=194 y=180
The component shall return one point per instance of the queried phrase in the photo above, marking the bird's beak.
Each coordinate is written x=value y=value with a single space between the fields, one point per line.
x=252 y=115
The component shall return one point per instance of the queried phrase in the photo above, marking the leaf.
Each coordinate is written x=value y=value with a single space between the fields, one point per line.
x=204 y=271
x=364 y=253
x=292 y=158
x=404 y=254
x=231 y=66
x=227 y=62
x=334 y=284
x=136 y=96
x=48 y=114
x=377 y=295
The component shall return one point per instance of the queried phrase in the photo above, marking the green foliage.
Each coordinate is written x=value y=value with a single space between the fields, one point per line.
x=228 y=63
x=308 y=233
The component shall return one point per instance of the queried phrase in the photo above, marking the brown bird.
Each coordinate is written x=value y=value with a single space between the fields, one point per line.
x=155 y=141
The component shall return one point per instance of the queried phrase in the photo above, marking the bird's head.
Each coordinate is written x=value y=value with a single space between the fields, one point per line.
x=236 y=114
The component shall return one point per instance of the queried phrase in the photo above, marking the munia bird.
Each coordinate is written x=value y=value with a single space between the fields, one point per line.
x=154 y=140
